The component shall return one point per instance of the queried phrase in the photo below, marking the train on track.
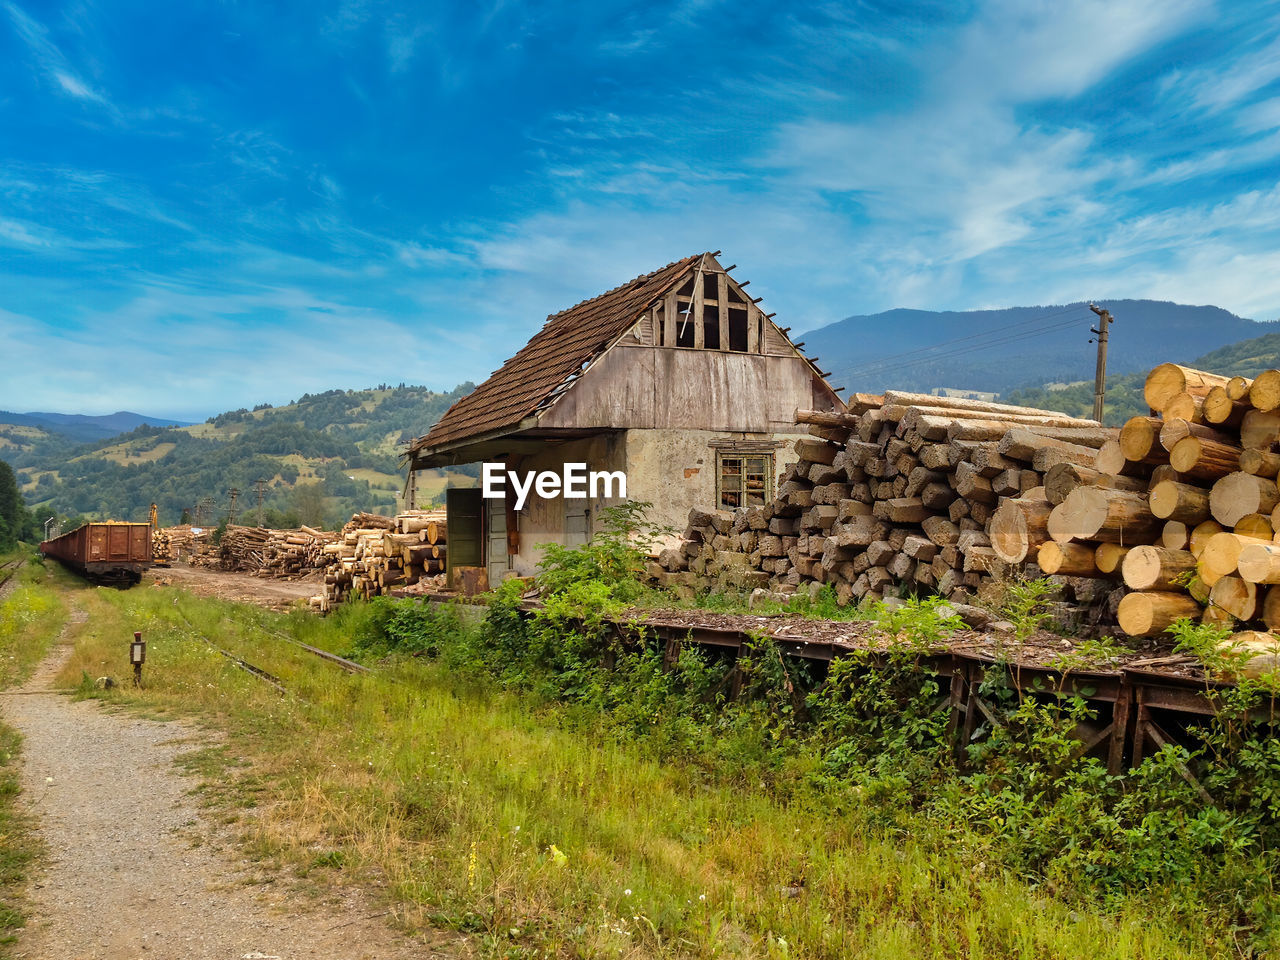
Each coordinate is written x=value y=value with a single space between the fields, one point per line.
x=110 y=553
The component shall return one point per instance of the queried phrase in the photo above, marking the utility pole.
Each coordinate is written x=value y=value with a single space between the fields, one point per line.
x=1100 y=377
x=231 y=513
x=261 y=485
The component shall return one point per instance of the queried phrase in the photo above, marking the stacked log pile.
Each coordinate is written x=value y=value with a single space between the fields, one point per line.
x=374 y=555
x=370 y=556
x=1182 y=507
x=899 y=492
x=183 y=542
x=278 y=554
x=161 y=546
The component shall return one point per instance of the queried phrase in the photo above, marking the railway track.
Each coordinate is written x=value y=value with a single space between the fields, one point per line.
x=7 y=570
x=265 y=676
x=350 y=666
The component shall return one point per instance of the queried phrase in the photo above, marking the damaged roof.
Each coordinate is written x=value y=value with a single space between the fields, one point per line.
x=567 y=342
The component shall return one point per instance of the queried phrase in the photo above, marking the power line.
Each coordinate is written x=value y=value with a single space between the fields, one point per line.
x=872 y=364
x=1004 y=330
x=971 y=348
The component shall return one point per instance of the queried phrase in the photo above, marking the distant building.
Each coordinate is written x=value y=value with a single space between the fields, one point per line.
x=964 y=394
x=676 y=378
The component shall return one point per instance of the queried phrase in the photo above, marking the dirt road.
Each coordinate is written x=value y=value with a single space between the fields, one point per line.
x=241 y=587
x=132 y=869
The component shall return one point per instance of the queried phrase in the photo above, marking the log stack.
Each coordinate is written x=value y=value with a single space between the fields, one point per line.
x=276 y=554
x=373 y=555
x=1182 y=507
x=368 y=557
x=161 y=546
x=183 y=542
x=903 y=490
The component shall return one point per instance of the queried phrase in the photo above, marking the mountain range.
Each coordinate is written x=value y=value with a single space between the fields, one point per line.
x=1016 y=347
x=79 y=426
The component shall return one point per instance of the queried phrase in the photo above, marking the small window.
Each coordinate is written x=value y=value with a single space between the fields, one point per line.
x=684 y=324
x=711 y=327
x=738 y=330
x=744 y=480
x=711 y=286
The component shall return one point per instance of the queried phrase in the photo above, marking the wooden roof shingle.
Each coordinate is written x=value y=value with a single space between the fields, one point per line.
x=567 y=341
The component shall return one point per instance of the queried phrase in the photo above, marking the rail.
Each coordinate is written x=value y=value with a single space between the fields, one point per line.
x=8 y=570
x=265 y=676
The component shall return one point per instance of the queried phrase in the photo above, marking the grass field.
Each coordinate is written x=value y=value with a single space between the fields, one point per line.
x=377 y=480
x=482 y=811
x=127 y=453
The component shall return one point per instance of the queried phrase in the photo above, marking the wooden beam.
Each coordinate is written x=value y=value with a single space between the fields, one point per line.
x=699 y=336
x=753 y=329
x=669 y=318
x=722 y=304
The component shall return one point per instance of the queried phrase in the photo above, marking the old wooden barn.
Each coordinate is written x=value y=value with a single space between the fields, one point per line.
x=676 y=378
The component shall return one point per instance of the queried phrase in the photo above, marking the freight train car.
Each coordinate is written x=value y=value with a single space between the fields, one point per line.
x=112 y=553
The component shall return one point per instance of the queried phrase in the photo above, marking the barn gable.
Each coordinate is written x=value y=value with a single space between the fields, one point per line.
x=692 y=305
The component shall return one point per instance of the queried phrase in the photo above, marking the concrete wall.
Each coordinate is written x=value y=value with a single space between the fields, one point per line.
x=543 y=521
x=672 y=469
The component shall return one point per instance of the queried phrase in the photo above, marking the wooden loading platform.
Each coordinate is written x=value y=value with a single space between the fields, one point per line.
x=1146 y=700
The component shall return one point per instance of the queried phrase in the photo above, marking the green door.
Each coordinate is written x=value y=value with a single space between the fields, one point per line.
x=464 y=509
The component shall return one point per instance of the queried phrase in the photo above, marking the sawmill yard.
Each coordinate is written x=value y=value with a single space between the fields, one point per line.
x=478 y=797
x=975 y=680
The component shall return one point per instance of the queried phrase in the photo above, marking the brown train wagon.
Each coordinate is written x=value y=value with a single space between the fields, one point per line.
x=110 y=552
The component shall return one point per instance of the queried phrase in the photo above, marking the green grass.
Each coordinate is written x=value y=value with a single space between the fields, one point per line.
x=31 y=616
x=451 y=793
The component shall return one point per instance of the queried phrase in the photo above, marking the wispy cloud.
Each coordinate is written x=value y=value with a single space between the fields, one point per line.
x=51 y=61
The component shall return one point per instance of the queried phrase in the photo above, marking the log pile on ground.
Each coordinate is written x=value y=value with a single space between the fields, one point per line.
x=373 y=555
x=183 y=542
x=369 y=557
x=277 y=554
x=905 y=490
x=1182 y=506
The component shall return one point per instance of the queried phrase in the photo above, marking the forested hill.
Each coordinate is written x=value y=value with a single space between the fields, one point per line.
x=1003 y=350
x=1247 y=358
x=323 y=456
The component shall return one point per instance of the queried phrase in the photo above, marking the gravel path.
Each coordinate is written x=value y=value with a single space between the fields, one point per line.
x=123 y=879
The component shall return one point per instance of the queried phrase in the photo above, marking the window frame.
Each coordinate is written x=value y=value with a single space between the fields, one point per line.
x=739 y=489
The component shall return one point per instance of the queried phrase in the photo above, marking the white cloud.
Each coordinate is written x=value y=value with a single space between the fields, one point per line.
x=51 y=60
x=1220 y=88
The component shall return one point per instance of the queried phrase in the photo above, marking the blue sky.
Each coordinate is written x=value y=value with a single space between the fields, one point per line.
x=207 y=206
